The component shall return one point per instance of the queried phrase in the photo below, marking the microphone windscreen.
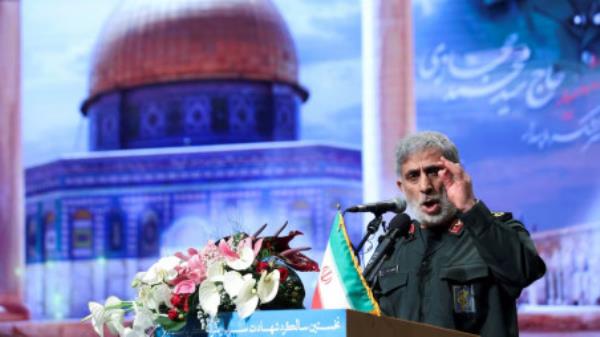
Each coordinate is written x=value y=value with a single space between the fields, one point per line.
x=400 y=205
x=401 y=223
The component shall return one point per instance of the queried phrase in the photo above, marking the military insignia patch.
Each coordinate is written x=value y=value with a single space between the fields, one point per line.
x=464 y=299
x=411 y=232
x=456 y=228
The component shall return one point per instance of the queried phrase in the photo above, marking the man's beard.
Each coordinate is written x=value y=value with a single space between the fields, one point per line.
x=447 y=212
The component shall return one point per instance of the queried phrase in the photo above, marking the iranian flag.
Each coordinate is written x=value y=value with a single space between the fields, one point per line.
x=341 y=284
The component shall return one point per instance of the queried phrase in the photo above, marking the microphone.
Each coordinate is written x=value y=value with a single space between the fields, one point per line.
x=396 y=205
x=399 y=227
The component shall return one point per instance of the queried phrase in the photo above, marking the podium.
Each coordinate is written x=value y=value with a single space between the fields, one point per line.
x=316 y=323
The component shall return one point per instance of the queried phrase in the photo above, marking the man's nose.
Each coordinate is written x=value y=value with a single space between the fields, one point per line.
x=425 y=184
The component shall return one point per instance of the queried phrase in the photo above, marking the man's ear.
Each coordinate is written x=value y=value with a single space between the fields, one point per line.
x=399 y=184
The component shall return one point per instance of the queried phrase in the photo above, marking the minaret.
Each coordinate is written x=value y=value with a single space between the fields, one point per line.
x=11 y=171
x=388 y=100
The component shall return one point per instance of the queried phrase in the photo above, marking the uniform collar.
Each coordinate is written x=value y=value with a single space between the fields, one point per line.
x=415 y=230
x=457 y=228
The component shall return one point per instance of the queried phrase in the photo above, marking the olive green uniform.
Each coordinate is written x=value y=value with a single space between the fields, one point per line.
x=467 y=277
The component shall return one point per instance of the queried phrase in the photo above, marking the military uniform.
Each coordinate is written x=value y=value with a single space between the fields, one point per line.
x=466 y=277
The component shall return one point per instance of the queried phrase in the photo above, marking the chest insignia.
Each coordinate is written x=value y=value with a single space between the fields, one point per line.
x=464 y=299
x=457 y=228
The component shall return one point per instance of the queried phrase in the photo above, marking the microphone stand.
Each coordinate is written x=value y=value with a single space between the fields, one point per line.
x=371 y=274
x=388 y=243
x=372 y=228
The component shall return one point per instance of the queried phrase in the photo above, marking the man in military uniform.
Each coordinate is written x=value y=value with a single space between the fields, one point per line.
x=461 y=266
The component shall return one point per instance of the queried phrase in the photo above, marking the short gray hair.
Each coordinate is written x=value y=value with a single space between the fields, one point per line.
x=422 y=141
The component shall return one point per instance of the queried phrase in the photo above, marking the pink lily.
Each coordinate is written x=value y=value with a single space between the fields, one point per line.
x=185 y=287
x=242 y=256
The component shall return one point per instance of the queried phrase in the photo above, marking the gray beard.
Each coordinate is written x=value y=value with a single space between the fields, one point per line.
x=446 y=214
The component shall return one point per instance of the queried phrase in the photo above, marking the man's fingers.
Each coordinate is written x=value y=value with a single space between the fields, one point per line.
x=446 y=177
x=454 y=168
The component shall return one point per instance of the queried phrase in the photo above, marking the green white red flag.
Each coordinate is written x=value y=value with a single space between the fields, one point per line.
x=341 y=284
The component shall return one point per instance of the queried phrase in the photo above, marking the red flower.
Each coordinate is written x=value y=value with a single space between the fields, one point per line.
x=262 y=266
x=172 y=313
x=283 y=274
x=176 y=300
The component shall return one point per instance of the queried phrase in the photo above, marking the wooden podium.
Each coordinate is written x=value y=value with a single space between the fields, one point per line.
x=317 y=323
x=359 y=324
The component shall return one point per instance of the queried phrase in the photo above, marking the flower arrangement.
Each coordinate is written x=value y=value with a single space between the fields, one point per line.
x=239 y=273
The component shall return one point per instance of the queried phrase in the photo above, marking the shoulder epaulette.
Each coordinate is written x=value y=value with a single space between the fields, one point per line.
x=502 y=216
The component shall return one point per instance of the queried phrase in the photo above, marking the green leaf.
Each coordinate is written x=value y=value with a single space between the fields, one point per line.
x=168 y=324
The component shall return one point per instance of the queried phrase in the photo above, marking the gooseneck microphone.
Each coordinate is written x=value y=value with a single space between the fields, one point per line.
x=399 y=227
x=396 y=205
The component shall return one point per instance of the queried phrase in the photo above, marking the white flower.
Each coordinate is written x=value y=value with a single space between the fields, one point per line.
x=144 y=318
x=110 y=314
x=209 y=297
x=215 y=272
x=161 y=294
x=97 y=316
x=267 y=286
x=145 y=296
x=242 y=256
x=129 y=332
x=245 y=296
x=232 y=282
x=162 y=271
x=209 y=293
x=247 y=299
x=246 y=257
x=137 y=279
x=152 y=297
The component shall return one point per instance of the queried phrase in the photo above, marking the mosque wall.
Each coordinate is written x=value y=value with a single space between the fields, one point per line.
x=572 y=257
x=106 y=217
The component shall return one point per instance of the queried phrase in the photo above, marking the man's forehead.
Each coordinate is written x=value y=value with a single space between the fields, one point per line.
x=425 y=157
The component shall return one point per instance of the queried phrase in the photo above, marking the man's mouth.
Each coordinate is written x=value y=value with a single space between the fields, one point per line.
x=431 y=206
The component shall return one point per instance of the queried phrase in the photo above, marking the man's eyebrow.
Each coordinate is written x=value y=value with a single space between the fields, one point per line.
x=432 y=169
x=413 y=170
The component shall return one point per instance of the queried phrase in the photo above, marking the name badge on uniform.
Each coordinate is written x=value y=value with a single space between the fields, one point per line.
x=464 y=299
x=390 y=270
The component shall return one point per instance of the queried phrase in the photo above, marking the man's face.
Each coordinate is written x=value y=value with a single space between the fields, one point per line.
x=424 y=190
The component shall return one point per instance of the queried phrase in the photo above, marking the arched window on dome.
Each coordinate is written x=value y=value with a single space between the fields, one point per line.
x=153 y=120
x=196 y=110
x=219 y=115
x=242 y=117
x=286 y=105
